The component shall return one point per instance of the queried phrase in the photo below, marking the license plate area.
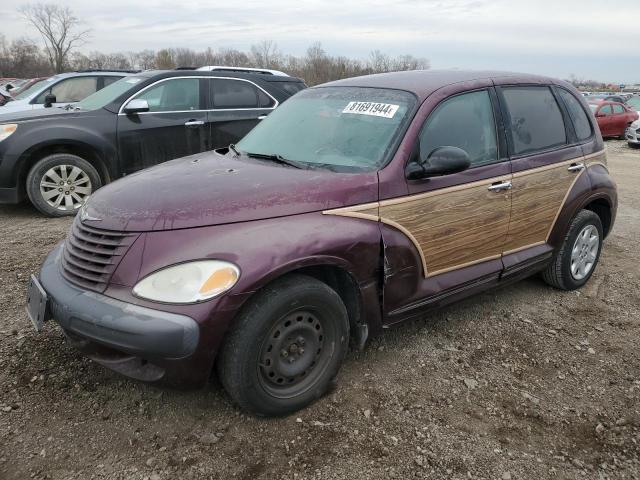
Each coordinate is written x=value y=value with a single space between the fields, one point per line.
x=37 y=301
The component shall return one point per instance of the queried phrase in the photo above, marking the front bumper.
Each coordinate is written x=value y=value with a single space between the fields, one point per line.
x=124 y=327
x=633 y=135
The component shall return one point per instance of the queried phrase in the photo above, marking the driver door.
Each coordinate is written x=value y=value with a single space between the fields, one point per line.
x=458 y=223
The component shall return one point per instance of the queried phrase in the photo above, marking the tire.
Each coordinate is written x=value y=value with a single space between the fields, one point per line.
x=575 y=262
x=258 y=364
x=45 y=190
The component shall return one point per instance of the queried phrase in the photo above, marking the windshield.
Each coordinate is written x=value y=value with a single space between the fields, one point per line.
x=35 y=88
x=108 y=94
x=340 y=128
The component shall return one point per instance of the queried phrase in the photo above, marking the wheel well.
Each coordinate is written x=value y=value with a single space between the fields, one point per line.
x=345 y=286
x=31 y=157
x=601 y=208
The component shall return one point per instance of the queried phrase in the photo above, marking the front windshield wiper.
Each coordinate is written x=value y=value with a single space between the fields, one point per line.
x=232 y=146
x=274 y=157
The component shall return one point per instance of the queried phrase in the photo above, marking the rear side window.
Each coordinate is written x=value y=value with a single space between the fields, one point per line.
x=464 y=121
x=535 y=119
x=618 y=109
x=179 y=95
x=239 y=94
x=578 y=116
x=606 y=110
x=291 y=87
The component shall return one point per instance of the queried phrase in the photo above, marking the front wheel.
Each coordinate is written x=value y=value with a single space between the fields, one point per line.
x=578 y=256
x=286 y=346
x=59 y=184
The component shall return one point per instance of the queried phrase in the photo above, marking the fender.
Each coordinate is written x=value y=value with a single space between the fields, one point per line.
x=595 y=184
x=84 y=131
x=264 y=250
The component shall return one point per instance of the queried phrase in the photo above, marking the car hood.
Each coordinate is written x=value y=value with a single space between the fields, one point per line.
x=215 y=189
x=24 y=112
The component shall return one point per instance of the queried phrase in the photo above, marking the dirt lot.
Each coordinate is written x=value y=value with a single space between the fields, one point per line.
x=523 y=382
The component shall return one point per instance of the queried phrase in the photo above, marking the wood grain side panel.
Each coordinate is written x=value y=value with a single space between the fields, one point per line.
x=454 y=227
x=537 y=197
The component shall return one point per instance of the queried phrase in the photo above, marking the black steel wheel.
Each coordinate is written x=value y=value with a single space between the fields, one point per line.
x=286 y=346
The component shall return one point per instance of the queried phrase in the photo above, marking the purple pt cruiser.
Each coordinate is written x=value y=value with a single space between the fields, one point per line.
x=354 y=206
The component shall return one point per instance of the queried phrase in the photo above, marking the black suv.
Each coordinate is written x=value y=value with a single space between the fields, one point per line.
x=57 y=157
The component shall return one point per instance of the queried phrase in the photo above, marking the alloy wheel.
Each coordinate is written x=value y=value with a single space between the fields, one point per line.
x=584 y=252
x=65 y=187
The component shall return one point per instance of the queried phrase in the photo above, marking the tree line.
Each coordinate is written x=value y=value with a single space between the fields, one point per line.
x=23 y=58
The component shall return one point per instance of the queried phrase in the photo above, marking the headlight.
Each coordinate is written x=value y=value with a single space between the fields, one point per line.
x=6 y=129
x=189 y=282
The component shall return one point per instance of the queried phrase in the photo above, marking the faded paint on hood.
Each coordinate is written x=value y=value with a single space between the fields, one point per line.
x=215 y=189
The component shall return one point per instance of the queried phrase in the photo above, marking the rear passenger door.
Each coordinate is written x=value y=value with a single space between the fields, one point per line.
x=237 y=105
x=545 y=159
x=175 y=125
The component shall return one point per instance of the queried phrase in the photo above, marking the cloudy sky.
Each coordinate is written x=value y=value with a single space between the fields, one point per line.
x=587 y=38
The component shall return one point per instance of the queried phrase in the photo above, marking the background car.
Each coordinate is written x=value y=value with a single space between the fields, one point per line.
x=58 y=157
x=613 y=118
x=62 y=89
x=634 y=103
x=27 y=84
x=633 y=134
x=607 y=98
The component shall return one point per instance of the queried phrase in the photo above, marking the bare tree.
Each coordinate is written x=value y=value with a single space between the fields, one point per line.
x=266 y=54
x=59 y=29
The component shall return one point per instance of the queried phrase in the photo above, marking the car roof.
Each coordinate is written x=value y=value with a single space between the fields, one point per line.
x=159 y=74
x=423 y=83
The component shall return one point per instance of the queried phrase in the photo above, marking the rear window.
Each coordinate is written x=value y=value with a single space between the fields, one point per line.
x=535 y=119
x=578 y=116
x=239 y=94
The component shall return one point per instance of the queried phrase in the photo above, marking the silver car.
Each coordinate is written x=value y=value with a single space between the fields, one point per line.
x=62 y=89
x=633 y=134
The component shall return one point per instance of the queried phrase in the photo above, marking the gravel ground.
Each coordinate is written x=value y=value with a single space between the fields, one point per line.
x=522 y=382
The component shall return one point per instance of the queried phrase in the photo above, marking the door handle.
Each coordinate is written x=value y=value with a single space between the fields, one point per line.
x=576 y=167
x=262 y=117
x=499 y=186
x=194 y=123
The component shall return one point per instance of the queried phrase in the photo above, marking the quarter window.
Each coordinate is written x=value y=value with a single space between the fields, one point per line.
x=181 y=94
x=239 y=94
x=465 y=121
x=578 y=116
x=535 y=119
x=71 y=90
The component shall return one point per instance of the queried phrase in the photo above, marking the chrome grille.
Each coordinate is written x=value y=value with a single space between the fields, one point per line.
x=91 y=255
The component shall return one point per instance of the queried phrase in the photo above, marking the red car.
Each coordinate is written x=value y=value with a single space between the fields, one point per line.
x=613 y=118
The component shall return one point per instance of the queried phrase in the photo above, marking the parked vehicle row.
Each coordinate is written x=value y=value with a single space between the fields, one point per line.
x=352 y=207
x=58 y=157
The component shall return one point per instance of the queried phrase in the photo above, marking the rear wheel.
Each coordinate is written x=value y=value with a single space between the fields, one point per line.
x=59 y=184
x=286 y=346
x=578 y=256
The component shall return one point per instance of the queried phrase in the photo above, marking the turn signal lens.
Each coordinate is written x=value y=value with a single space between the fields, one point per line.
x=219 y=281
x=7 y=129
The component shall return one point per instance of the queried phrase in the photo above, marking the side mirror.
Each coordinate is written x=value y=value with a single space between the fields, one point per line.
x=137 y=105
x=441 y=161
x=49 y=100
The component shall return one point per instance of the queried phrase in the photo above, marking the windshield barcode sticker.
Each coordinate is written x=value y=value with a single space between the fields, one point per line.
x=385 y=110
